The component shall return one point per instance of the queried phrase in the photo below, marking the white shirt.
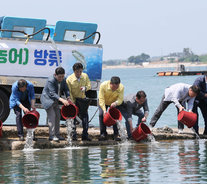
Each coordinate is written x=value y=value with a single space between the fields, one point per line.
x=179 y=93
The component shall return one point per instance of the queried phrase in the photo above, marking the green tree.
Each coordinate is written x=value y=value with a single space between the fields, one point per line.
x=131 y=59
x=138 y=59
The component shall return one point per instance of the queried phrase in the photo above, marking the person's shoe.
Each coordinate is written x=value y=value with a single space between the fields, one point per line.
x=34 y=139
x=55 y=139
x=61 y=138
x=21 y=138
x=74 y=139
x=117 y=138
x=62 y=125
x=102 y=137
x=180 y=131
x=86 y=139
x=205 y=132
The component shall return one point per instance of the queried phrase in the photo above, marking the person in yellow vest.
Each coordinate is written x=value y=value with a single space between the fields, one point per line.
x=78 y=83
x=111 y=94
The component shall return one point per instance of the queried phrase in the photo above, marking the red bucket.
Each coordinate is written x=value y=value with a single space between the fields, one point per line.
x=1 y=125
x=30 y=120
x=69 y=111
x=141 y=132
x=112 y=116
x=187 y=118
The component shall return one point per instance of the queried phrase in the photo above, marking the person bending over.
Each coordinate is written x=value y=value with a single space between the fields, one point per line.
x=22 y=98
x=132 y=105
x=179 y=94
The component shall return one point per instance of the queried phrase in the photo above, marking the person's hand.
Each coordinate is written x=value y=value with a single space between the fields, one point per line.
x=65 y=102
x=144 y=119
x=114 y=104
x=104 y=113
x=83 y=88
x=69 y=100
x=25 y=110
x=181 y=108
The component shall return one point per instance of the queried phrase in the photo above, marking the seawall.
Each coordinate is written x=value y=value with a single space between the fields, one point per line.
x=10 y=141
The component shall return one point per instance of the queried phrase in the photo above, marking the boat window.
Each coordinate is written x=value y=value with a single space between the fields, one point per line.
x=74 y=35
x=28 y=30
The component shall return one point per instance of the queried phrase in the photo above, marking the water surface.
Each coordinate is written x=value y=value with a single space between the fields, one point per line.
x=162 y=162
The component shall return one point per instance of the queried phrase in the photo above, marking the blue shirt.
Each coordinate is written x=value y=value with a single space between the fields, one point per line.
x=16 y=95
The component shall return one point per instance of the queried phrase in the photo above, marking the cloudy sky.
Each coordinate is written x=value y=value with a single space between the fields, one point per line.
x=128 y=27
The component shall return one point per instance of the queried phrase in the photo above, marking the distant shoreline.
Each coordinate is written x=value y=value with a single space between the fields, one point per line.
x=154 y=65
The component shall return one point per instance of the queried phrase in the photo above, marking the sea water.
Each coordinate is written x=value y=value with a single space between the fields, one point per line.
x=180 y=161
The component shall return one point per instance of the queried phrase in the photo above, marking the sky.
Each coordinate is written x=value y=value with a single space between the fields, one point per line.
x=127 y=27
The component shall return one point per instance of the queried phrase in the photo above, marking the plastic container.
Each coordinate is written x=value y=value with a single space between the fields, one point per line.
x=141 y=132
x=112 y=116
x=31 y=119
x=1 y=125
x=69 y=111
x=187 y=118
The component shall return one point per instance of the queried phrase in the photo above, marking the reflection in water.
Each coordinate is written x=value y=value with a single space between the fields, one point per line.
x=142 y=163
x=189 y=161
x=203 y=163
x=172 y=162
x=111 y=167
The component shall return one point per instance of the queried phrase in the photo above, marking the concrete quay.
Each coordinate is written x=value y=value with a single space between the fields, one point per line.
x=10 y=141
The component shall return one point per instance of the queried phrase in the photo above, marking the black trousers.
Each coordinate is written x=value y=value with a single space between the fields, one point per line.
x=203 y=107
x=18 y=112
x=82 y=104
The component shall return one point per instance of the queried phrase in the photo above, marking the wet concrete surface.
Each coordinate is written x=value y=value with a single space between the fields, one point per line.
x=10 y=141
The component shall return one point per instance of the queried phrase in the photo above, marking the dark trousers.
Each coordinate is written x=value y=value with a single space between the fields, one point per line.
x=124 y=113
x=84 y=118
x=161 y=108
x=101 y=124
x=83 y=105
x=203 y=107
x=18 y=112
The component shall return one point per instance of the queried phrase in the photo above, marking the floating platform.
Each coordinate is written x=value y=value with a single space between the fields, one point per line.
x=10 y=141
x=181 y=73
